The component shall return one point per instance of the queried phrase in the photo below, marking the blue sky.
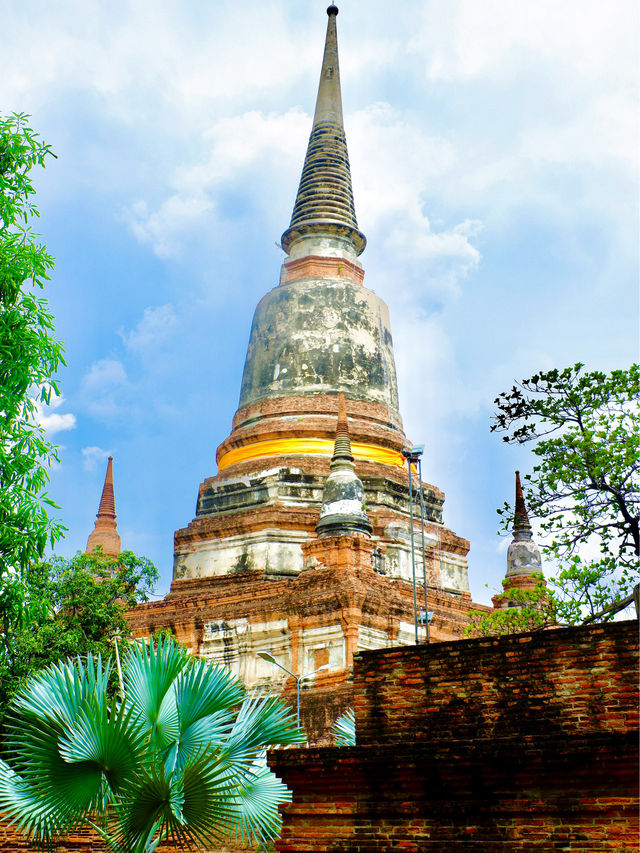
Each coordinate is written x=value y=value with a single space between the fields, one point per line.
x=493 y=148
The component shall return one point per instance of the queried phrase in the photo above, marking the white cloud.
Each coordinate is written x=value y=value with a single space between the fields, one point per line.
x=397 y=167
x=156 y=326
x=397 y=161
x=105 y=374
x=465 y=39
x=238 y=154
x=53 y=422
x=149 y=53
x=235 y=143
x=604 y=133
x=93 y=456
x=165 y=227
x=432 y=389
x=102 y=387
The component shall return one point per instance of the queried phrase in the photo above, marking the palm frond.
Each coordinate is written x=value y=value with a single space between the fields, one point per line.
x=209 y=788
x=105 y=737
x=344 y=729
x=22 y=805
x=203 y=690
x=263 y=720
x=204 y=733
x=151 y=801
x=149 y=674
x=175 y=759
x=205 y=696
x=56 y=693
x=188 y=807
x=49 y=790
x=257 y=816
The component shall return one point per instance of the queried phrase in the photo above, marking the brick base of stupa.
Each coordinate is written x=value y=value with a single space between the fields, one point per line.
x=337 y=605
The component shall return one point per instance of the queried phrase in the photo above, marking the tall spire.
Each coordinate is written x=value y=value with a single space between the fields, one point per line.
x=105 y=532
x=520 y=518
x=324 y=204
x=523 y=556
x=524 y=564
x=343 y=508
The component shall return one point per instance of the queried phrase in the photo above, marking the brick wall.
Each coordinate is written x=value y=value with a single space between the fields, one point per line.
x=86 y=841
x=82 y=841
x=552 y=682
x=525 y=743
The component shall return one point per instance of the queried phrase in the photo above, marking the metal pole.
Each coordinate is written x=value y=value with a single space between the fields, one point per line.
x=413 y=555
x=270 y=659
x=424 y=552
x=120 y=682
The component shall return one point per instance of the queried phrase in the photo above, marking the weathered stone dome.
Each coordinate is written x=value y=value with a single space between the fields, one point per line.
x=317 y=336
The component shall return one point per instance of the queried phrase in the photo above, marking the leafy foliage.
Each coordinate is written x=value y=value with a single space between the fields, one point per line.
x=180 y=757
x=585 y=488
x=29 y=356
x=529 y=610
x=67 y=608
x=344 y=729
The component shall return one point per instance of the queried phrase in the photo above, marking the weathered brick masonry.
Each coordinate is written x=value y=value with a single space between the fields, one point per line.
x=563 y=682
x=82 y=841
x=520 y=743
x=86 y=840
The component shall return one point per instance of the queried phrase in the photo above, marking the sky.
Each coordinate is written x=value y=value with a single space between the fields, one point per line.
x=494 y=155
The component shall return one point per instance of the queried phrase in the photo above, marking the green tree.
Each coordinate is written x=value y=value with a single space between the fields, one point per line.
x=29 y=359
x=530 y=610
x=180 y=756
x=71 y=607
x=584 y=489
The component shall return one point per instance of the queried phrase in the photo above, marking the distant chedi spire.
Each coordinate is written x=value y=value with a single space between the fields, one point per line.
x=523 y=556
x=105 y=532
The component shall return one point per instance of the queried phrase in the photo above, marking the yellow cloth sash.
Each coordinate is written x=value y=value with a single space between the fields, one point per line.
x=308 y=447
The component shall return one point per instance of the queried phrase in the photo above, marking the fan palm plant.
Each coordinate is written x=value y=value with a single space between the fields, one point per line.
x=344 y=729
x=179 y=755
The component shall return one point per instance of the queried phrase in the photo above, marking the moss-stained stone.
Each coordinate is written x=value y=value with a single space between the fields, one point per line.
x=320 y=336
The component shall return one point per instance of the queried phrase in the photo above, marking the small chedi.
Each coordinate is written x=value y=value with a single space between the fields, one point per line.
x=524 y=564
x=301 y=548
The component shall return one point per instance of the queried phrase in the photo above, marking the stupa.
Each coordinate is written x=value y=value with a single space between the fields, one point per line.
x=300 y=546
x=320 y=331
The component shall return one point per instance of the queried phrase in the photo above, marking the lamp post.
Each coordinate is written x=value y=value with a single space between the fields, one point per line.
x=270 y=659
x=424 y=552
x=413 y=455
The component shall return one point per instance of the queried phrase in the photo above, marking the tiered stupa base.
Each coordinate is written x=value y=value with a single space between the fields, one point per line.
x=337 y=606
x=258 y=511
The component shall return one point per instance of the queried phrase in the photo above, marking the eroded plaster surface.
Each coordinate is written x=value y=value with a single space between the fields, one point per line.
x=318 y=336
